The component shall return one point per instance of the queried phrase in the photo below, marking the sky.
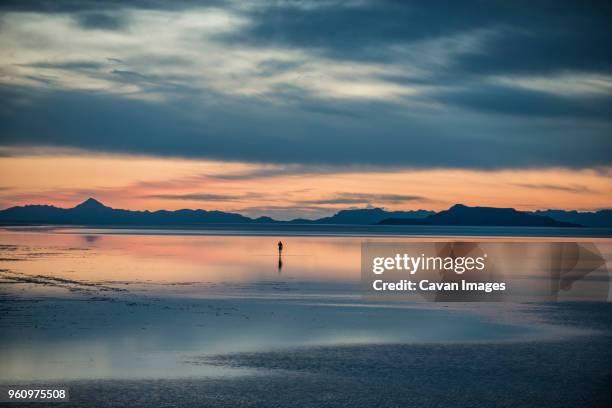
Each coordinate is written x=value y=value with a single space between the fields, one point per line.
x=299 y=109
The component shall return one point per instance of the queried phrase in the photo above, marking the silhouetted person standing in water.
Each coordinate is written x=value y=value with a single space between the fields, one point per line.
x=280 y=258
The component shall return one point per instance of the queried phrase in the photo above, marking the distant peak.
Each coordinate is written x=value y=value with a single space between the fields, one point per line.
x=458 y=207
x=91 y=203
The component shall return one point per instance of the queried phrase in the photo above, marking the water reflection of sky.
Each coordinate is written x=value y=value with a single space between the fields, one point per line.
x=182 y=298
x=152 y=338
x=204 y=259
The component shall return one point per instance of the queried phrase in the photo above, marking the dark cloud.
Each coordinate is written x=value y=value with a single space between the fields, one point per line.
x=523 y=37
x=271 y=172
x=102 y=21
x=244 y=130
x=273 y=67
x=565 y=42
x=357 y=198
x=467 y=122
x=203 y=197
x=131 y=76
x=73 y=65
x=260 y=173
x=290 y=95
x=102 y=14
x=77 y=6
x=525 y=102
x=569 y=189
x=360 y=30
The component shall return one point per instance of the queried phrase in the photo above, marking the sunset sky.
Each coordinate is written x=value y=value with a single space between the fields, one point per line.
x=299 y=109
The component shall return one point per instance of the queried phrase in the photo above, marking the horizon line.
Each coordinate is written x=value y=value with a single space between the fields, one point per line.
x=368 y=207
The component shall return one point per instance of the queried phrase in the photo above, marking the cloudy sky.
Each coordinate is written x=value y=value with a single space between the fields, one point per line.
x=302 y=108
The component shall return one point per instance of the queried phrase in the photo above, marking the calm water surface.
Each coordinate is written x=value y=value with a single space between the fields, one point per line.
x=86 y=303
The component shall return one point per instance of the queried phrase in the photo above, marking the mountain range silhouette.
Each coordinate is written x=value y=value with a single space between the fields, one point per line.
x=93 y=212
x=463 y=215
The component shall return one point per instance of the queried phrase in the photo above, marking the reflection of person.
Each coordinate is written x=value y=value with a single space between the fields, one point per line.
x=280 y=247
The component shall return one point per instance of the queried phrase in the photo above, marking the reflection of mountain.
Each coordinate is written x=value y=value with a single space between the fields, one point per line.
x=92 y=212
x=482 y=216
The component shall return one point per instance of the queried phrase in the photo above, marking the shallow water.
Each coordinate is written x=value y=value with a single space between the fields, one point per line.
x=245 y=262
x=108 y=304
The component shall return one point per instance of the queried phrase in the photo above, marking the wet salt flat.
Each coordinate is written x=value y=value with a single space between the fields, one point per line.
x=84 y=306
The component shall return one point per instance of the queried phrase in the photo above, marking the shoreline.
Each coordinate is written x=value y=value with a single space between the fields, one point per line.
x=297 y=230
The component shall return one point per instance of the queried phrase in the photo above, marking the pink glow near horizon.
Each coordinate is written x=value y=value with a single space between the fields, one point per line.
x=287 y=192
